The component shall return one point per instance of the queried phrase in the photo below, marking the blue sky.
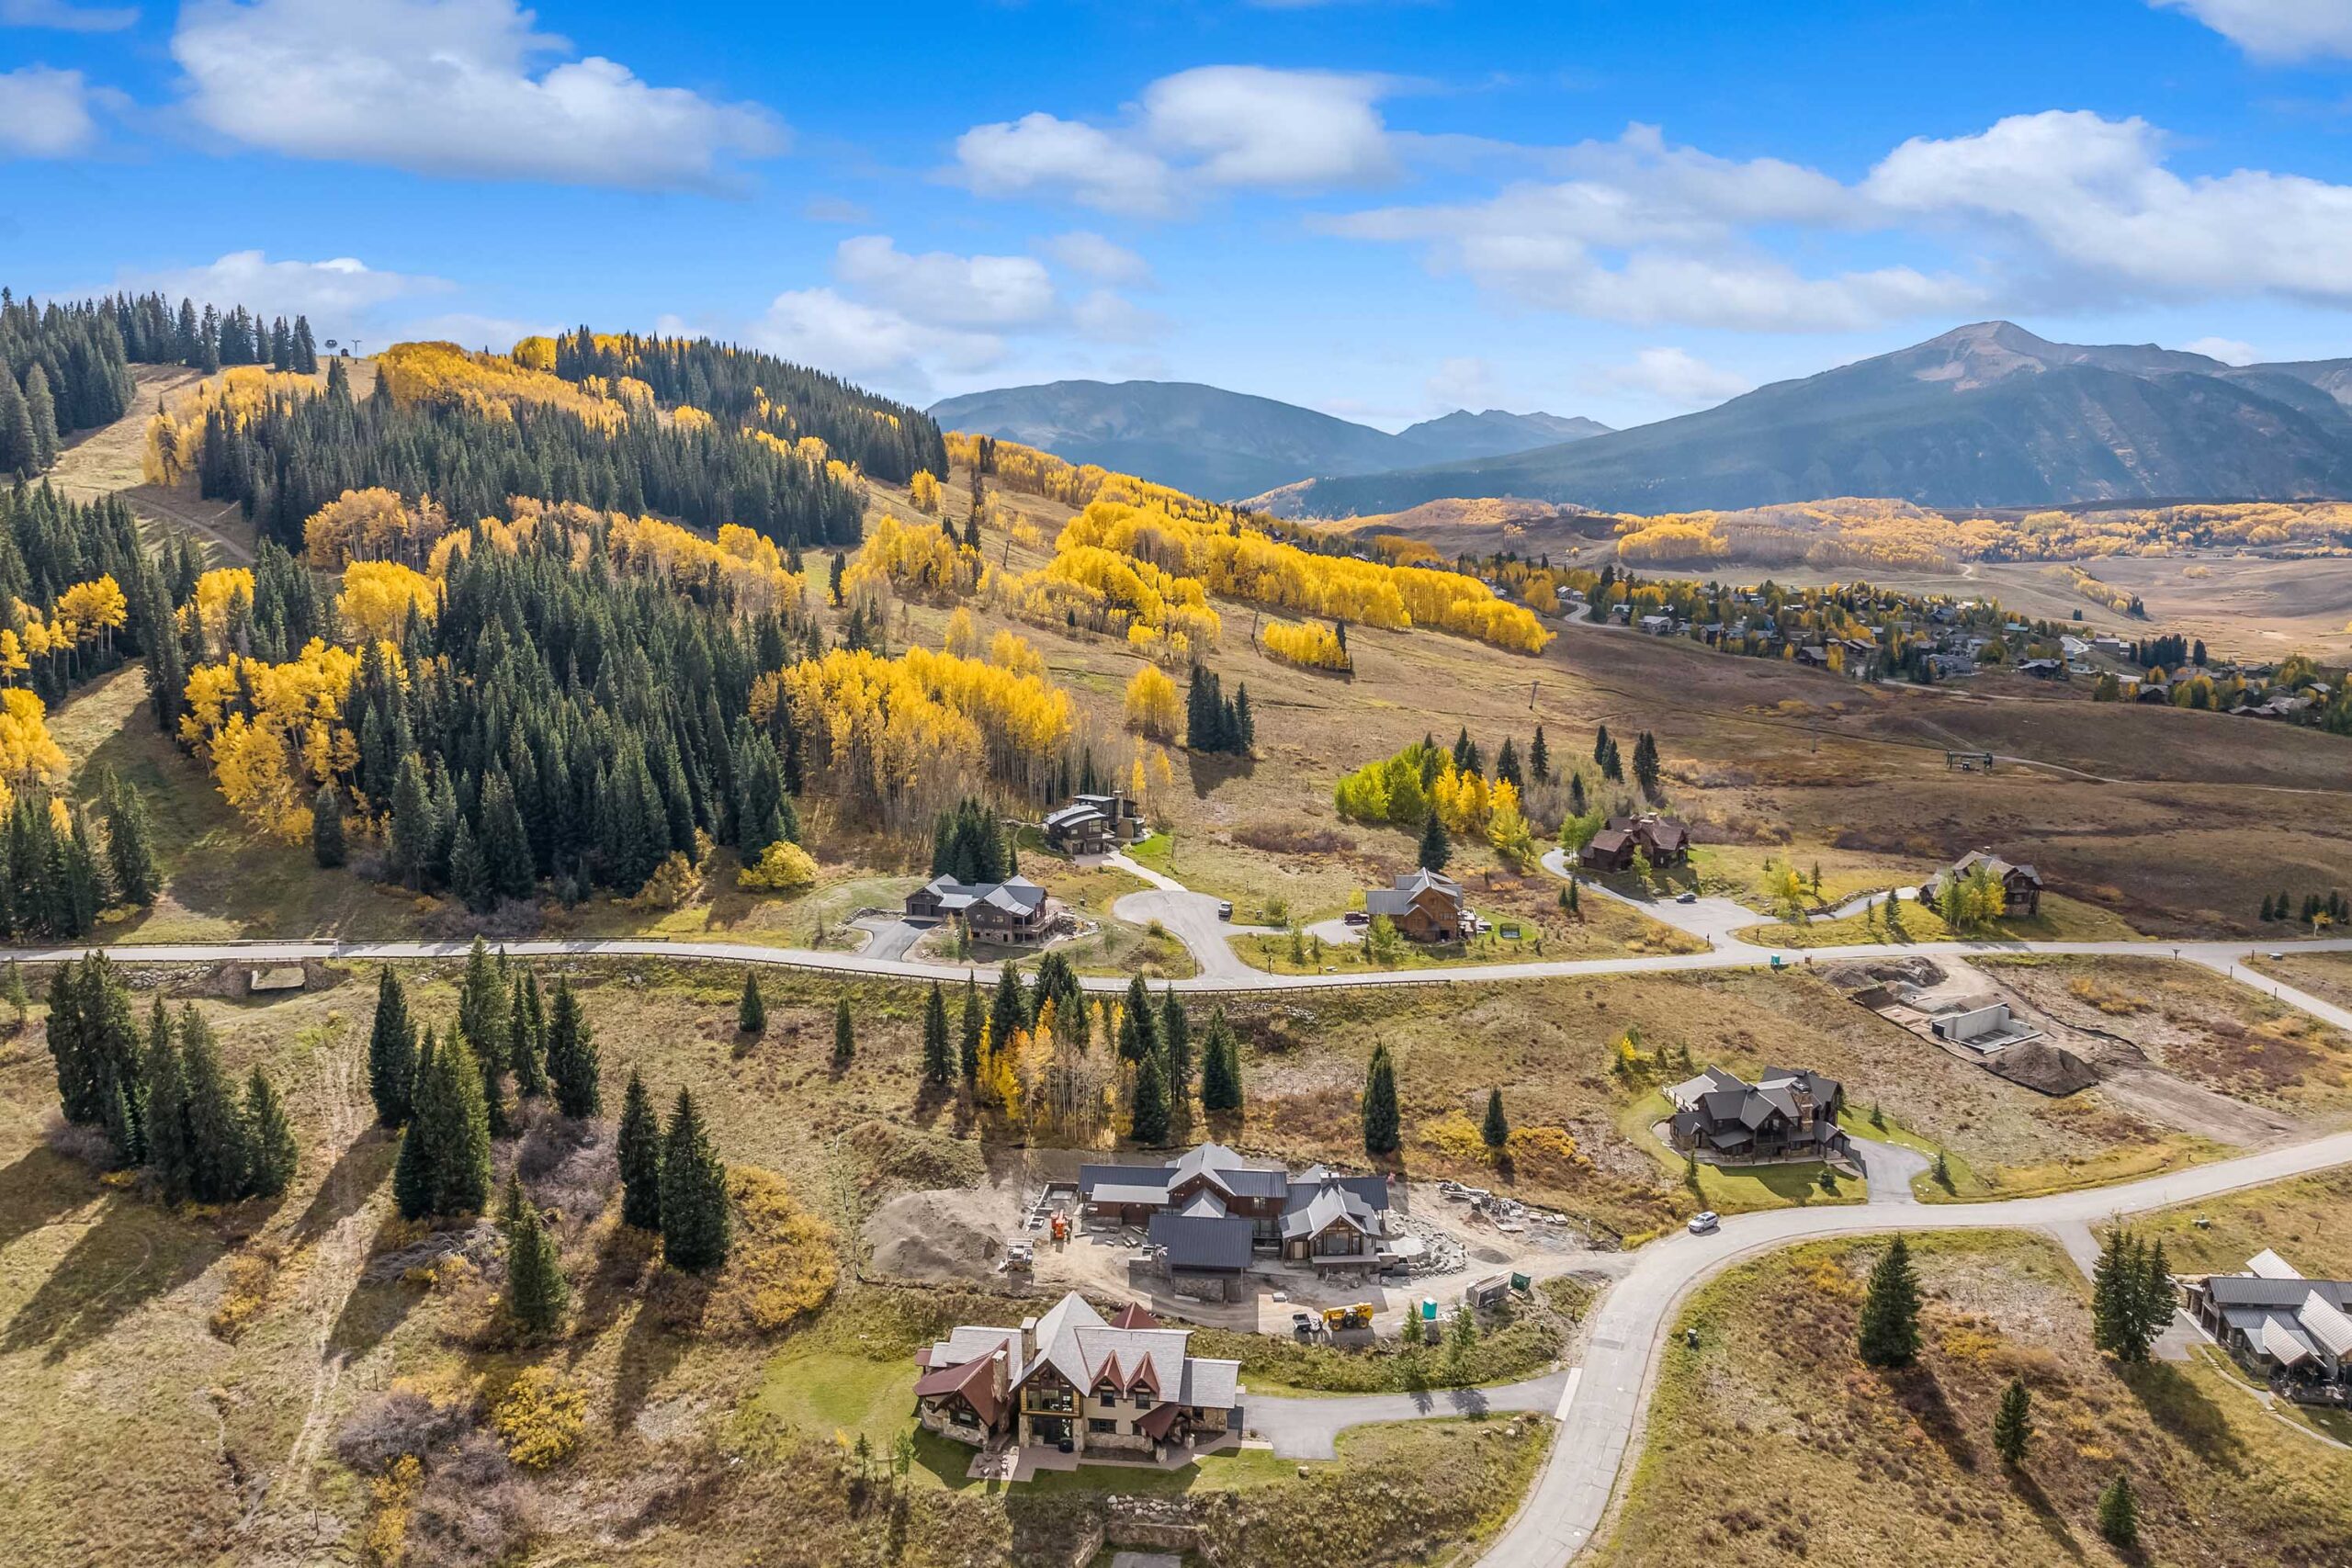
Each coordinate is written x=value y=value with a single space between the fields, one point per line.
x=1383 y=209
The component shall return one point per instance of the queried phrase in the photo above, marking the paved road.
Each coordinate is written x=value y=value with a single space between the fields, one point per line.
x=1305 y=1428
x=1596 y=1441
x=2222 y=957
x=1890 y=1168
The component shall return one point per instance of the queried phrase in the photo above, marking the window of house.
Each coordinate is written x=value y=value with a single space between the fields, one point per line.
x=1099 y=1425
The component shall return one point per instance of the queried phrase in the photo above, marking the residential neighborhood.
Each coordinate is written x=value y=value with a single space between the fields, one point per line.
x=1094 y=824
x=1209 y=1214
x=2295 y=1332
x=1423 y=905
x=1788 y=1114
x=1661 y=840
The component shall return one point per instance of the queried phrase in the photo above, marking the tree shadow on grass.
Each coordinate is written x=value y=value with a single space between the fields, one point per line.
x=2175 y=1402
x=1921 y=1395
x=616 y=1278
x=132 y=1254
x=357 y=1172
x=651 y=1350
x=42 y=1187
x=2046 y=1514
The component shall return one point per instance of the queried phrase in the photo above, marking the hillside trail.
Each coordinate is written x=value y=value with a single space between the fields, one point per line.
x=106 y=461
x=283 y=1516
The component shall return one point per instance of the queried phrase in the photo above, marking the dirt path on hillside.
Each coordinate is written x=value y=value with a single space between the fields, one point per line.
x=100 y=462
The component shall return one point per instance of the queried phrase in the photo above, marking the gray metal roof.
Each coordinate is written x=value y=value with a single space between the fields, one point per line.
x=1199 y=1242
x=1211 y=1384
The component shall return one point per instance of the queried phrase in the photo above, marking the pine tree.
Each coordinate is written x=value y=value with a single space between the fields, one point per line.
x=536 y=1292
x=526 y=1037
x=167 y=1133
x=444 y=1164
x=1539 y=757
x=14 y=992
x=271 y=1151
x=131 y=846
x=1506 y=764
x=327 y=846
x=1148 y=1112
x=413 y=831
x=1381 y=1124
x=1176 y=1052
x=2118 y=1513
x=1890 y=1325
x=572 y=1066
x=1138 y=1025
x=1495 y=1132
x=1220 y=1067
x=482 y=1019
x=696 y=1229
x=469 y=871
x=78 y=1088
x=935 y=1062
x=845 y=1035
x=219 y=1139
x=2121 y=1321
x=967 y=1059
x=2013 y=1425
x=1007 y=1009
x=1435 y=850
x=750 y=1012
x=639 y=1146
x=391 y=1052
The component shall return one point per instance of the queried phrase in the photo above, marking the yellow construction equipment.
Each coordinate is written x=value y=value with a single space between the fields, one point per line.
x=1356 y=1316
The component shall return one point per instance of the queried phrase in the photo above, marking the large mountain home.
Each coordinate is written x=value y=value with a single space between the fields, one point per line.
x=1785 y=1115
x=1422 y=906
x=1664 y=840
x=1094 y=824
x=1122 y=1388
x=1211 y=1212
x=2020 y=884
x=2296 y=1332
x=1015 y=912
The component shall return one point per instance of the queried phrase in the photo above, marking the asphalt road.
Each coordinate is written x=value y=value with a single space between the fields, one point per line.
x=1306 y=1428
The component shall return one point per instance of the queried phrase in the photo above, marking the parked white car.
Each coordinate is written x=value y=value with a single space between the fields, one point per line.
x=1704 y=1222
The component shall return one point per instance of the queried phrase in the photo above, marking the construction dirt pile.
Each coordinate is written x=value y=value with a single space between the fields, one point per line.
x=950 y=1236
x=2038 y=1065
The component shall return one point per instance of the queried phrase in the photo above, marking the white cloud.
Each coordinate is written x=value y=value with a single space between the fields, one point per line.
x=2275 y=29
x=1676 y=377
x=2094 y=196
x=44 y=113
x=821 y=328
x=461 y=87
x=1039 y=153
x=333 y=294
x=1279 y=129
x=1106 y=261
x=66 y=17
x=1215 y=126
x=946 y=289
x=2229 y=351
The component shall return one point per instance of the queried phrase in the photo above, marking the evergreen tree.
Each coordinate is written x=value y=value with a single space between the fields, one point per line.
x=14 y=992
x=526 y=1037
x=1601 y=744
x=573 y=1066
x=271 y=1153
x=844 y=1036
x=1381 y=1124
x=40 y=414
x=1539 y=757
x=1435 y=849
x=696 y=1229
x=2013 y=1424
x=1148 y=1112
x=536 y=1292
x=1220 y=1067
x=935 y=1062
x=413 y=831
x=326 y=827
x=1007 y=1009
x=167 y=1131
x=2118 y=1513
x=1890 y=1325
x=750 y=1012
x=1495 y=1132
x=219 y=1137
x=468 y=872
x=482 y=1019
x=77 y=1087
x=392 y=1051
x=2116 y=1305
x=968 y=1059
x=1176 y=1052
x=639 y=1146
x=1506 y=764
x=1138 y=1023
x=444 y=1164
x=131 y=845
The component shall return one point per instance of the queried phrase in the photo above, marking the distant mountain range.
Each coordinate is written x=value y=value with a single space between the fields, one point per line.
x=1223 y=445
x=1987 y=415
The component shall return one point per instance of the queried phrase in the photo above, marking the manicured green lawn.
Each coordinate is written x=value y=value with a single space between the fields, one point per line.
x=1731 y=1190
